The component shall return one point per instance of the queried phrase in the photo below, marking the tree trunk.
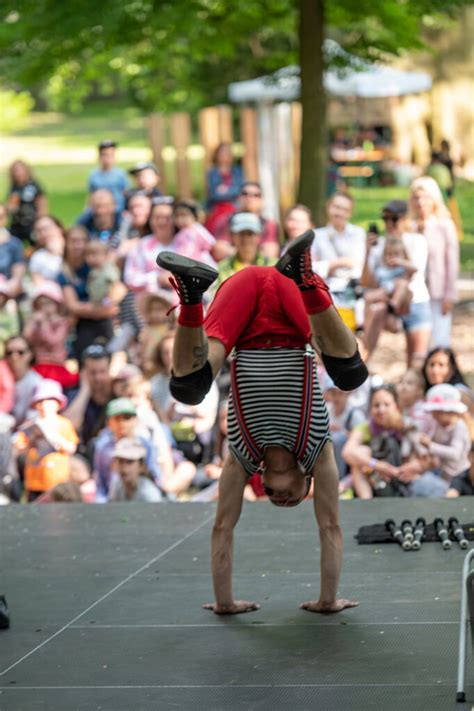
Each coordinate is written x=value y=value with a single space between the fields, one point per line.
x=312 y=187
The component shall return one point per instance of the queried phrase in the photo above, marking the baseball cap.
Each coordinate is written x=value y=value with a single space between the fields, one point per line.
x=107 y=143
x=95 y=351
x=120 y=406
x=243 y=221
x=395 y=207
x=444 y=398
x=129 y=448
x=143 y=165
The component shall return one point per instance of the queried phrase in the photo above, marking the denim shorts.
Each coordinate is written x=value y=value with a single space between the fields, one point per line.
x=418 y=317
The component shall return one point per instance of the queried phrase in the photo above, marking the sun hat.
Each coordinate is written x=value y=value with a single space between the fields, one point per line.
x=243 y=221
x=444 y=398
x=129 y=448
x=49 y=390
x=120 y=406
x=49 y=289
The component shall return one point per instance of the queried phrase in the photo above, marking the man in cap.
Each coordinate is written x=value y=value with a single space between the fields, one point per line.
x=278 y=424
x=246 y=231
x=122 y=421
x=108 y=175
x=132 y=484
x=147 y=177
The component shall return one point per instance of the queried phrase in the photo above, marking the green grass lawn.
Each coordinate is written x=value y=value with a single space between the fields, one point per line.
x=62 y=149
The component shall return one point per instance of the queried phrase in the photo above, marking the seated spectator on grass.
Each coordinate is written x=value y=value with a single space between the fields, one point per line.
x=135 y=223
x=9 y=321
x=441 y=366
x=416 y=323
x=46 y=263
x=463 y=484
x=108 y=175
x=19 y=357
x=224 y=181
x=68 y=492
x=12 y=260
x=46 y=330
x=134 y=482
x=94 y=322
x=87 y=409
x=343 y=417
x=192 y=239
x=155 y=310
x=411 y=395
x=26 y=201
x=147 y=179
x=141 y=273
x=48 y=440
x=298 y=219
x=122 y=421
x=102 y=219
x=245 y=228
x=251 y=200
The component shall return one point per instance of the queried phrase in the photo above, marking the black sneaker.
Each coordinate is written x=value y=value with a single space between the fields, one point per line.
x=296 y=262
x=191 y=278
x=4 y=614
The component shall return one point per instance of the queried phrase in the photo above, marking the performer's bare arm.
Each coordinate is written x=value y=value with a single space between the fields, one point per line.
x=231 y=490
x=326 y=508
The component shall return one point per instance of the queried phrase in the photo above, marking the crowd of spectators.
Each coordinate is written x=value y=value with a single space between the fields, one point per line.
x=87 y=328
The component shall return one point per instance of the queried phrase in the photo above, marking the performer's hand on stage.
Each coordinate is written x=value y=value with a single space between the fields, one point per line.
x=325 y=607
x=236 y=608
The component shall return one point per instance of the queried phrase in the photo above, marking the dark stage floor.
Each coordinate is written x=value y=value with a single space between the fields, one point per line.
x=106 y=608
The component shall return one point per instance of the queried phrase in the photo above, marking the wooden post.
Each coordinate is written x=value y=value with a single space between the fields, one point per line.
x=208 y=120
x=296 y=141
x=225 y=123
x=157 y=135
x=248 y=135
x=181 y=138
x=284 y=151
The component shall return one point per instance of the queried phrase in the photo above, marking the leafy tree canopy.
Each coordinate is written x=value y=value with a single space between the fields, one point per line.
x=181 y=54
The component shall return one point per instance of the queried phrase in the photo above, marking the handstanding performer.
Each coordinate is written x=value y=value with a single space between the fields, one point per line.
x=278 y=423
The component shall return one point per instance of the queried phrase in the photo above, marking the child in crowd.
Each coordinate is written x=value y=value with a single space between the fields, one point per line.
x=155 y=309
x=411 y=393
x=343 y=417
x=47 y=330
x=46 y=264
x=449 y=442
x=134 y=483
x=103 y=281
x=47 y=440
x=9 y=324
x=192 y=239
x=392 y=276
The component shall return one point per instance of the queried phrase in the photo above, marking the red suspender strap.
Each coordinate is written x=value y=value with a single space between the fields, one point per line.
x=254 y=450
x=306 y=407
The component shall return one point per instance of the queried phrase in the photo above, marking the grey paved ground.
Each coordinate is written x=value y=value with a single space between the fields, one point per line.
x=106 y=605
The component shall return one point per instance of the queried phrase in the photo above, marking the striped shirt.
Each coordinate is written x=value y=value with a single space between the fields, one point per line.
x=273 y=402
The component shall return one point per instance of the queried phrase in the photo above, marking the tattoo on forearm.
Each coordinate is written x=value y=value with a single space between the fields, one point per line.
x=200 y=354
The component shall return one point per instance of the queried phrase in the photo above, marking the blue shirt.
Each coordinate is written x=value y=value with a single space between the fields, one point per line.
x=11 y=253
x=115 y=180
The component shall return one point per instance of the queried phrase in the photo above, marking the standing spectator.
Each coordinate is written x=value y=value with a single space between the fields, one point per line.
x=108 y=175
x=102 y=220
x=441 y=174
x=134 y=483
x=46 y=330
x=417 y=322
x=338 y=249
x=298 y=219
x=224 y=181
x=87 y=409
x=444 y=156
x=19 y=355
x=12 y=261
x=431 y=215
x=94 y=321
x=147 y=178
x=46 y=263
x=26 y=201
x=48 y=440
x=246 y=230
x=122 y=422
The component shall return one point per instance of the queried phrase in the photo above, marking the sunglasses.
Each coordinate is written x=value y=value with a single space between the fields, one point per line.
x=245 y=193
x=19 y=352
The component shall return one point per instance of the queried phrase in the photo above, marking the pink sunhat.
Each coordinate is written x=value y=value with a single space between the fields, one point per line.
x=49 y=390
x=444 y=398
x=49 y=289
